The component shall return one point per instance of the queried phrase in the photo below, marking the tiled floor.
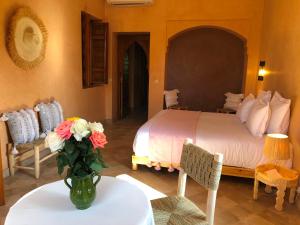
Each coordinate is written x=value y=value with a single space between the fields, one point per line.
x=234 y=203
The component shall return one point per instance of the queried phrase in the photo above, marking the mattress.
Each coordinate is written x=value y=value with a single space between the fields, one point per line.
x=214 y=132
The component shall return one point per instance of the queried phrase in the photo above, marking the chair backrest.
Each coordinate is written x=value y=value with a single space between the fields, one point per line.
x=205 y=168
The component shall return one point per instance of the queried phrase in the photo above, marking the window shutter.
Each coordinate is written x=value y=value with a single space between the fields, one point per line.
x=94 y=51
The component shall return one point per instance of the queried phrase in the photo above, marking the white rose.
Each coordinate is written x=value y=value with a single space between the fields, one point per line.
x=80 y=129
x=96 y=127
x=54 y=141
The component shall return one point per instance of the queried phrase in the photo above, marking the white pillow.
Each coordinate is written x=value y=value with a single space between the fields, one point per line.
x=264 y=95
x=231 y=105
x=234 y=97
x=258 y=118
x=245 y=107
x=171 y=97
x=280 y=118
x=233 y=100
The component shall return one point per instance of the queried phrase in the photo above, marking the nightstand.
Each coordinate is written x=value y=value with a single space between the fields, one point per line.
x=276 y=176
x=227 y=111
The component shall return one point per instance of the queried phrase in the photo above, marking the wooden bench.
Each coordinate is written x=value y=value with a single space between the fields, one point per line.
x=26 y=151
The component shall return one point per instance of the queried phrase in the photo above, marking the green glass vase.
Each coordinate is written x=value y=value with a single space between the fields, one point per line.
x=82 y=190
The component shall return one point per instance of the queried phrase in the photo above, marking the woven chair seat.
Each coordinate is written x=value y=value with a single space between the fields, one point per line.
x=22 y=148
x=175 y=210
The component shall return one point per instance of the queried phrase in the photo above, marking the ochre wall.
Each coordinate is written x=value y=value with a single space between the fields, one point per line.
x=164 y=19
x=280 y=49
x=59 y=75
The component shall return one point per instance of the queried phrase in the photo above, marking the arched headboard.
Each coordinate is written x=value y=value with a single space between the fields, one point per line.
x=203 y=63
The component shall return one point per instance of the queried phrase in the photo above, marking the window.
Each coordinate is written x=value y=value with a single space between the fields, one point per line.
x=94 y=51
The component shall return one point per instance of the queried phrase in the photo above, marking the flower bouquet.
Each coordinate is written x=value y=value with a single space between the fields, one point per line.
x=78 y=144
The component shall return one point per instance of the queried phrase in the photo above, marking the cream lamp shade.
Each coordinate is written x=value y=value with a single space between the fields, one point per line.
x=277 y=147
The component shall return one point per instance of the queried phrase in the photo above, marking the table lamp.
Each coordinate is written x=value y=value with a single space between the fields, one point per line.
x=277 y=147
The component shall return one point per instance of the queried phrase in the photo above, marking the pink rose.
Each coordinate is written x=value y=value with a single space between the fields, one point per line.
x=64 y=129
x=98 y=139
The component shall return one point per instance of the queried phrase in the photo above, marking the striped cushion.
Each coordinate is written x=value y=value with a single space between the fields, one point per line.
x=23 y=126
x=51 y=115
x=16 y=126
x=177 y=210
x=35 y=123
x=59 y=109
x=45 y=117
x=29 y=129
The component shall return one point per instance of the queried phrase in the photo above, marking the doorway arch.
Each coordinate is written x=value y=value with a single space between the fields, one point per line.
x=133 y=57
x=204 y=63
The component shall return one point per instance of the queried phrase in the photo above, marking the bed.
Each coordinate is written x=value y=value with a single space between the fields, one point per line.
x=159 y=141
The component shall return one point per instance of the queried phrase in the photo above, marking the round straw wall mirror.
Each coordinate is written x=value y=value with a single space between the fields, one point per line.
x=27 y=38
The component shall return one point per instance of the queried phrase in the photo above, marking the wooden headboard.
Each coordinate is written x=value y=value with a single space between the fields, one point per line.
x=204 y=63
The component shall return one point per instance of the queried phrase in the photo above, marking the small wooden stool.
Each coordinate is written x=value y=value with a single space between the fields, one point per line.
x=276 y=176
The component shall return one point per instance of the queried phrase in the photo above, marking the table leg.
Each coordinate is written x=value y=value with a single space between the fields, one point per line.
x=255 y=189
x=268 y=189
x=292 y=195
x=280 y=195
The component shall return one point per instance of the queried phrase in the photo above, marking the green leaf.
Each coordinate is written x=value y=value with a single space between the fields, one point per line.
x=62 y=161
x=100 y=158
x=96 y=166
x=73 y=157
x=82 y=146
x=69 y=147
x=90 y=158
x=76 y=168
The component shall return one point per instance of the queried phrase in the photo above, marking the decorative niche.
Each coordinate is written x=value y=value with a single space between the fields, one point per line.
x=94 y=51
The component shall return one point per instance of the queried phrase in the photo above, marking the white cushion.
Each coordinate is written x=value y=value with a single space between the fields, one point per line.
x=231 y=105
x=29 y=128
x=171 y=97
x=264 y=95
x=233 y=96
x=245 y=107
x=23 y=126
x=258 y=118
x=45 y=118
x=35 y=122
x=16 y=126
x=280 y=118
x=233 y=100
x=50 y=116
x=59 y=109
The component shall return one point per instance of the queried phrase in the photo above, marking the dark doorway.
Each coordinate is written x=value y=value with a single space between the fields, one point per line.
x=133 y=52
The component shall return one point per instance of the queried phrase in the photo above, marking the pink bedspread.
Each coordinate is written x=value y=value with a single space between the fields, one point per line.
x=168 y=132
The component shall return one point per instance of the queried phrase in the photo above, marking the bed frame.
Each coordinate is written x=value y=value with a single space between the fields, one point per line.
x=226 y=170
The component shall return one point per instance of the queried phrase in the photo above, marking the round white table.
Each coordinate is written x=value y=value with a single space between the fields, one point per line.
x=117 y=203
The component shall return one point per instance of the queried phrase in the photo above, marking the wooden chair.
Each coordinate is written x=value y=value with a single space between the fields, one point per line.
x=205 y=169
x=26 y=151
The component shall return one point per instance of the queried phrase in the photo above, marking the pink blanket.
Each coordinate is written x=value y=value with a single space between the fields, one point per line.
x=168 y=132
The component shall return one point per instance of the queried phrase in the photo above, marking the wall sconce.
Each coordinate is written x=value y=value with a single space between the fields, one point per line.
x=261 y=72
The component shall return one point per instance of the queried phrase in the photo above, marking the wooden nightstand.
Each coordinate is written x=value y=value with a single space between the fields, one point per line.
x=227 y=111
x=279 y=177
